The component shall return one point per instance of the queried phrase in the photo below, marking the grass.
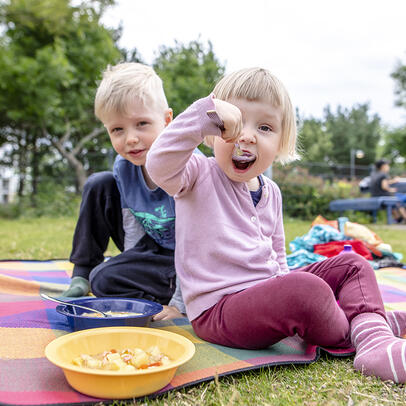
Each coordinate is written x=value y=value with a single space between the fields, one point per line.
x=39 y=238
x=48 y=237
x=326 y=382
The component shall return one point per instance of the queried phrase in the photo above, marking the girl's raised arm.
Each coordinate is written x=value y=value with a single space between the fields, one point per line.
x=169 y=162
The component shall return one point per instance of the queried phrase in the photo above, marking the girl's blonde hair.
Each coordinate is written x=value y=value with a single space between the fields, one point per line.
x=124 y=83
x=259 y=84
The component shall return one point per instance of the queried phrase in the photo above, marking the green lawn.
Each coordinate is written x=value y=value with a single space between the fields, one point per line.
x=38 y=238
x=327 y=382
x=47 y=237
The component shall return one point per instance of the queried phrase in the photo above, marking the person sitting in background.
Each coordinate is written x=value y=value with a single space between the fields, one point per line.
x=381 y=185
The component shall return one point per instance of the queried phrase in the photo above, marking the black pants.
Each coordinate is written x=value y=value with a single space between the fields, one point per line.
x=144 y=271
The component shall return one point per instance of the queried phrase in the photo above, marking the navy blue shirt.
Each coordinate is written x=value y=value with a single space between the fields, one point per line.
x=154 y=209
x=256 y=194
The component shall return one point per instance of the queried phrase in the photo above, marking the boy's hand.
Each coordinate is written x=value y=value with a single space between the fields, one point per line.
x=78 y=287
x=232 y=120
x=168 y=313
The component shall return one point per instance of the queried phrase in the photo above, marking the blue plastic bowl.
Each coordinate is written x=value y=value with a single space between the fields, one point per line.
x=78 y=322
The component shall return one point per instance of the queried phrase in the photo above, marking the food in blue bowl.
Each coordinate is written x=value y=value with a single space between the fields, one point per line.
x=120 y=311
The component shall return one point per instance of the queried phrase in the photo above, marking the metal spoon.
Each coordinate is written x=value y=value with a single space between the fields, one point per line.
x=237 y=150
x=44 y=296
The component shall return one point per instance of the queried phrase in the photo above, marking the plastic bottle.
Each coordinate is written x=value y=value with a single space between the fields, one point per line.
x=347 y=248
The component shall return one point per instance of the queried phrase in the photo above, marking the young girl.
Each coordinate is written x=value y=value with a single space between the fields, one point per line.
x=230 y=247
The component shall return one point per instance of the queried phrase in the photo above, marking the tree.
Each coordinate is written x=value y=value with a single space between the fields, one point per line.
x=51 y=56
x=314 y=141
x=399 y=75
x=396 y=139
x=189 y=72
x=395 y=143
x=353 y=128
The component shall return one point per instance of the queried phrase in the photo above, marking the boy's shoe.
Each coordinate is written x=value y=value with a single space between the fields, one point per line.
x=78 y=287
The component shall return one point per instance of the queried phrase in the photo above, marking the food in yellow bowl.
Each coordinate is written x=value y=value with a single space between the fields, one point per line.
x=121 y=383
x=128 y=359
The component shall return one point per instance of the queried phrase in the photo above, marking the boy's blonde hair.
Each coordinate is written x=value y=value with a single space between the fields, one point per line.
x=123 y=83
x=259 y=84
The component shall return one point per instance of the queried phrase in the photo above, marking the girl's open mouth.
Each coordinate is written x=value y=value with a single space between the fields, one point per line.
x=244 y=161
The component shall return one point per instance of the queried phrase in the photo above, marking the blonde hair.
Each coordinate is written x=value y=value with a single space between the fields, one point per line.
x=123 y=83
x=257 y=84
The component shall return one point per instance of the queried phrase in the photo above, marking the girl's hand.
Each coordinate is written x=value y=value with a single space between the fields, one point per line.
x=232 y=120
x=168 y=313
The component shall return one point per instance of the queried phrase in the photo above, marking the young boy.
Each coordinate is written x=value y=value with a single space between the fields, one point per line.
x=126 y=205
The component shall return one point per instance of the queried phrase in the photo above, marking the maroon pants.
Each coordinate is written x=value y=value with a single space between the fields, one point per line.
x=303 y=302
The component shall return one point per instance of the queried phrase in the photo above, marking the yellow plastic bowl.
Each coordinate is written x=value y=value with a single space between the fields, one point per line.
x=113 y=384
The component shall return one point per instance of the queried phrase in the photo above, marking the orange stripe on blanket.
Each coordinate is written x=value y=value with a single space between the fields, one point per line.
x=21 y=343
x=17 y=286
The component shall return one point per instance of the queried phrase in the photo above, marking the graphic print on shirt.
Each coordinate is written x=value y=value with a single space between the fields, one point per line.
x=160 y=227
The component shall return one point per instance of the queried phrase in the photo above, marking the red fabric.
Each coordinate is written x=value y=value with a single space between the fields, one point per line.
x=333 y=248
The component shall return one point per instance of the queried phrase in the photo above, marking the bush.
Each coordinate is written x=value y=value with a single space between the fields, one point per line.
x=306 y=196
x=9 y=211
x=51 y=200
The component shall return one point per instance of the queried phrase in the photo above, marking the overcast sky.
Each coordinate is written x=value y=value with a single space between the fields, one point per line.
x=337 y=52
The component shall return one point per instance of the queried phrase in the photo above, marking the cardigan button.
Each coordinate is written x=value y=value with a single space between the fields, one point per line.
x=253 y=219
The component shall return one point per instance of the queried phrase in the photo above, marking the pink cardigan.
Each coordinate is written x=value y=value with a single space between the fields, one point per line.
x=224 y=243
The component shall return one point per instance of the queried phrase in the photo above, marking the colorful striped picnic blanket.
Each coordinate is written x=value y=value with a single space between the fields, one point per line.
x=28 y=324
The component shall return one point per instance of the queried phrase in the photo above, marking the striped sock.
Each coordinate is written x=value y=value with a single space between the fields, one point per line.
x=397 y=322
x=378 y=352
